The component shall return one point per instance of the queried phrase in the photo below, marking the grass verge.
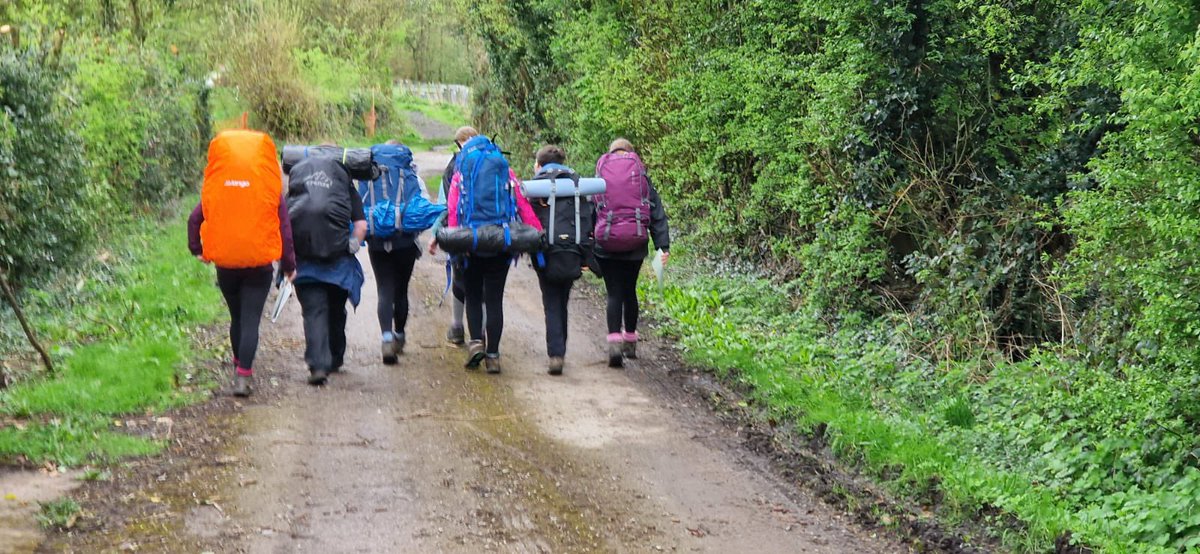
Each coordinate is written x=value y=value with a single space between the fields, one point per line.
x=1038 y=452
x=124 y=331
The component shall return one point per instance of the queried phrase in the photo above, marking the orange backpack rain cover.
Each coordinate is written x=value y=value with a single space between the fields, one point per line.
x=242 y=190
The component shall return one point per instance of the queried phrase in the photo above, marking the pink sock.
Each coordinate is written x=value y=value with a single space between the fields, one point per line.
x=244 y=371
x=614 y=337
x=631 y=337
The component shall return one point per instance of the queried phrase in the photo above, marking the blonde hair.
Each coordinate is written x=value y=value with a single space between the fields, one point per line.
x=465 y=133
x=621 y=144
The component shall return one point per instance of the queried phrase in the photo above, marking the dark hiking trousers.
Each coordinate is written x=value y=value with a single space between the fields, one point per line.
x=484 y=279
x=620 y=282
x=555 y=297
x=245 y=292
x=324 y=309
x=393 y=271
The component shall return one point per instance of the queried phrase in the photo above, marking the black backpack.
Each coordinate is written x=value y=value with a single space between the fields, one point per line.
x=568 y=218
x=318 y=202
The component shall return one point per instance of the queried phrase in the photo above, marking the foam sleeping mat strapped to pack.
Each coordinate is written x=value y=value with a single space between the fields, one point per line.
x=489 y=239
x=359 y=162
x=540 y=188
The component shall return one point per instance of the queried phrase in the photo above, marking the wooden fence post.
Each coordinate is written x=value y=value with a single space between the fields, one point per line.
x=13 y=33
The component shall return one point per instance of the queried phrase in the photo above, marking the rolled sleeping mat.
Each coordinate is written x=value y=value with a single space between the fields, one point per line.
x=359 y=162
x=540 y=188
x=489 y=239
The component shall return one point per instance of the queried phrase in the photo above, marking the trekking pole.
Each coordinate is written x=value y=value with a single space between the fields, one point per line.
x=29 y=334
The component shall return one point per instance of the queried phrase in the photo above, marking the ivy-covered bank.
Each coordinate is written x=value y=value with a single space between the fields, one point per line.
x=976 y=219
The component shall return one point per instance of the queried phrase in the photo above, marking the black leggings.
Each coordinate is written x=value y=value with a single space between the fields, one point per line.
x=484 y=279
x=620 y=281
x=555 y=299
x=245 y=292
x=393 y=271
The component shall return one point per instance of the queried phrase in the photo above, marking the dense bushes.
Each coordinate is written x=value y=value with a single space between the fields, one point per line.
x=1002 y=193
x=46 y=202
x=1008 y=173
x=89 y=139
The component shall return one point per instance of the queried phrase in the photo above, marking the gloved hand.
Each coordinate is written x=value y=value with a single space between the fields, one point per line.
x=354 y=246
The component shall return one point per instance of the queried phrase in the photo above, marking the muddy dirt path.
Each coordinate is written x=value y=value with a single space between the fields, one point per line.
x=425 y=456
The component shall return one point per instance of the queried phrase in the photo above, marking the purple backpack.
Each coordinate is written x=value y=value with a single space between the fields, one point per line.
x=623 y=211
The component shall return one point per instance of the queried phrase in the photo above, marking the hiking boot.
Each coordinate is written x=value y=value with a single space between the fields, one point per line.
x=318 y=377
x=615 y=353
x=629 y=350
x=455 y=335
x=400 y=342
x=390 y=350
x=475 y=354
x=493 y=364
x=241 y=386
x=556 y=365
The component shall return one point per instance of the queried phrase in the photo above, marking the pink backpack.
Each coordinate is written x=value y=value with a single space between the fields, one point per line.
x=623 y=211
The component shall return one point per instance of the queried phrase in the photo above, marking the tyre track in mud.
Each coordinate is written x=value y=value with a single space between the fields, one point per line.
x=425 y=456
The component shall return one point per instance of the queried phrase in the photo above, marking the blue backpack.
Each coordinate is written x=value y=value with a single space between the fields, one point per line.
x=393 y=201
x=485 y=197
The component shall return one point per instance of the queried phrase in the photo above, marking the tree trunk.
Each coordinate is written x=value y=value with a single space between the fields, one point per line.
x=11 y=297
x=108 y=15
x=138 y=30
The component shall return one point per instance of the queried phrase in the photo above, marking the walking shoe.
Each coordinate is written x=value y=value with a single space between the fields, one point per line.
x=400 y=341
x=615 y=354
x=390 y=350
x=493 y=364
x=241 y=386
x=629 y=349
x=475 y=354
x=455 y=335
x=318 y=377
x=556 y=365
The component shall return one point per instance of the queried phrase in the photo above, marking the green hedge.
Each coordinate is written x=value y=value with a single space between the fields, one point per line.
x=90 y=139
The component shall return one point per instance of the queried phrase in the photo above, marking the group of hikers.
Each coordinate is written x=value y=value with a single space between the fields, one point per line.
x=258 y=234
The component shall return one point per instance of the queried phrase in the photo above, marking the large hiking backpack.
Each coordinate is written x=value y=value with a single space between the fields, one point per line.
x=566 y=213
x=623 y=211
x=487 y=209
x=385 y=198
x=358 y=162
x=319 y=203
x=485 y=195
x=240 y=200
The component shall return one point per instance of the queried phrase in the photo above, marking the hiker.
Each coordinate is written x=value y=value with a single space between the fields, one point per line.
x=485 y=189
x=241 y=226
x=561 y=263
x=628 y=214
x=328 y=225
x=392 y=250
x=455 y=334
